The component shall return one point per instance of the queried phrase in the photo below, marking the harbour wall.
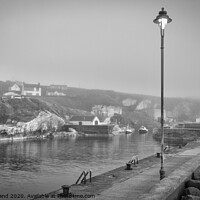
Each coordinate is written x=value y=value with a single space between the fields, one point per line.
x=183 y=135
x=90 y=129
x=172 y=187
x=142 y=182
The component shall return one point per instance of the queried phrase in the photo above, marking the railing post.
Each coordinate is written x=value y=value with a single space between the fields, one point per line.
x=137 y=161
x=86 y=173
x=79 y=177
x=90 y=175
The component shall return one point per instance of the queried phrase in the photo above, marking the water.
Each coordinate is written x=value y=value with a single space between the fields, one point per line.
x=41 y=166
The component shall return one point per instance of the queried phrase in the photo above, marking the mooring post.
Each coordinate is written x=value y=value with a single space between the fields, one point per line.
x=65 y=190
x=128 y=166
x=158 y=155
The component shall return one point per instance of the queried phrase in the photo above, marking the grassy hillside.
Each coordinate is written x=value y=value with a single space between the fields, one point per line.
x=83 y=99
x=23 y=110
x=80 y=101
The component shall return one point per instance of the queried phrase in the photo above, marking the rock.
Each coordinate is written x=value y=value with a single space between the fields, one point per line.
x=190 y=197
x=196 y=174
x=193 y=183
x=129 y=102
x=45 y=121
x=191 y=191
x=143 y=105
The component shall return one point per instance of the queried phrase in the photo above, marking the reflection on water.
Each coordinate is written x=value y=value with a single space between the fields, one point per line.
x=32 y=167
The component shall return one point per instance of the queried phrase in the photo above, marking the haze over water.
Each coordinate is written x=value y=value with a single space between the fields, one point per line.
x=42 y=166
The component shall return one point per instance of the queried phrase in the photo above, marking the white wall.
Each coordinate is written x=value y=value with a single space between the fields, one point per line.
x=87 y=122
x=34 y=92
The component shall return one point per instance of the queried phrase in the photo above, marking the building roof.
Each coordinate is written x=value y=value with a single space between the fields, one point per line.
x=82 y=118
x=27 y=85
x=15 y=88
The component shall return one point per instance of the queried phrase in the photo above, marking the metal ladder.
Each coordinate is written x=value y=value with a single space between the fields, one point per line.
x=84 y=176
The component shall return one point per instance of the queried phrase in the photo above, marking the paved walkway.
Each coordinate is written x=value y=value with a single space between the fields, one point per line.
x=143 y=182
x=139 y=186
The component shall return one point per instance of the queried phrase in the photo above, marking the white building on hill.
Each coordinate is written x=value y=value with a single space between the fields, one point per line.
x=85 y=120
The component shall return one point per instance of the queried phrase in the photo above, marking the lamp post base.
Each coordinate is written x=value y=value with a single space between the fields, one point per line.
x=162 y=173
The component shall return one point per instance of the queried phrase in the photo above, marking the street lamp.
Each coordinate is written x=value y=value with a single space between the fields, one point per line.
x=162 y=20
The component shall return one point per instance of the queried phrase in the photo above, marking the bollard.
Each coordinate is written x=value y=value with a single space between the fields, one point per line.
x=65 y=190
x=128 y=166
x=158 y=155
x=180 y=146
x=162 y=174
x=137 y=160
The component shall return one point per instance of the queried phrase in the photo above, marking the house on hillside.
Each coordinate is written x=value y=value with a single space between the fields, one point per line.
x=15 y=88
x=31 y=89
x=108 y=111
x=55 y=93
x=58 y=87
x=56 y=90
x=198 y=119
x=85 y=120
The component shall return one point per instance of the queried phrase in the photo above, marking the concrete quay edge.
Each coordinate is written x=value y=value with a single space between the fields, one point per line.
x=179 y=167
x=147 y=186
x=171 y=187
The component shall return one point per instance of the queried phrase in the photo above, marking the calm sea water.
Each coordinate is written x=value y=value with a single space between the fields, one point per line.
x=41 y=166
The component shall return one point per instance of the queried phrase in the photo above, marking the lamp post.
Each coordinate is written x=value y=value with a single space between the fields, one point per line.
x=162 y=20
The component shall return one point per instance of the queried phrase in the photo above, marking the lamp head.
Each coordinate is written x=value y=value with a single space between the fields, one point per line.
x=162 y=19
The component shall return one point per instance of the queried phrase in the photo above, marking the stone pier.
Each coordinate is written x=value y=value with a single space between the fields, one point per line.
x=143 y=180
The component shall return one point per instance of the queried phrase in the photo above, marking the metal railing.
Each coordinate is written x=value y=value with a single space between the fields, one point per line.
x=84 y=175
x=134 y=160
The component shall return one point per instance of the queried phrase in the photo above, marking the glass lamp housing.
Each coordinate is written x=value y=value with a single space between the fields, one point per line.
x=162 y=19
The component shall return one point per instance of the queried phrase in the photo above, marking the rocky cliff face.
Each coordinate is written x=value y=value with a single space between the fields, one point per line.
x=81 y=101
x=45 y=122
x=26 y=109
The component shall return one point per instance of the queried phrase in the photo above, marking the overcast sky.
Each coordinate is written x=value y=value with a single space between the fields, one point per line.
x=101 y=44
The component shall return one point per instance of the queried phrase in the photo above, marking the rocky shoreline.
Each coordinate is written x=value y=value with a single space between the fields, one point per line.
x=45 y=125
x=49 y=135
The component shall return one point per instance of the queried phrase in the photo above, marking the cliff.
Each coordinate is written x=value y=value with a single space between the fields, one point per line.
x=42 y=125
x=26 y=109
x=136 y=108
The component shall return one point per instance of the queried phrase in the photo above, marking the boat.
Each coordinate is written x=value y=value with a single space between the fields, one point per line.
x=128 y=130
x=142 y=129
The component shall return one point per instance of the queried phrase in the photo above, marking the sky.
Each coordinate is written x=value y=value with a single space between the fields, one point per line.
x=101 y=44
